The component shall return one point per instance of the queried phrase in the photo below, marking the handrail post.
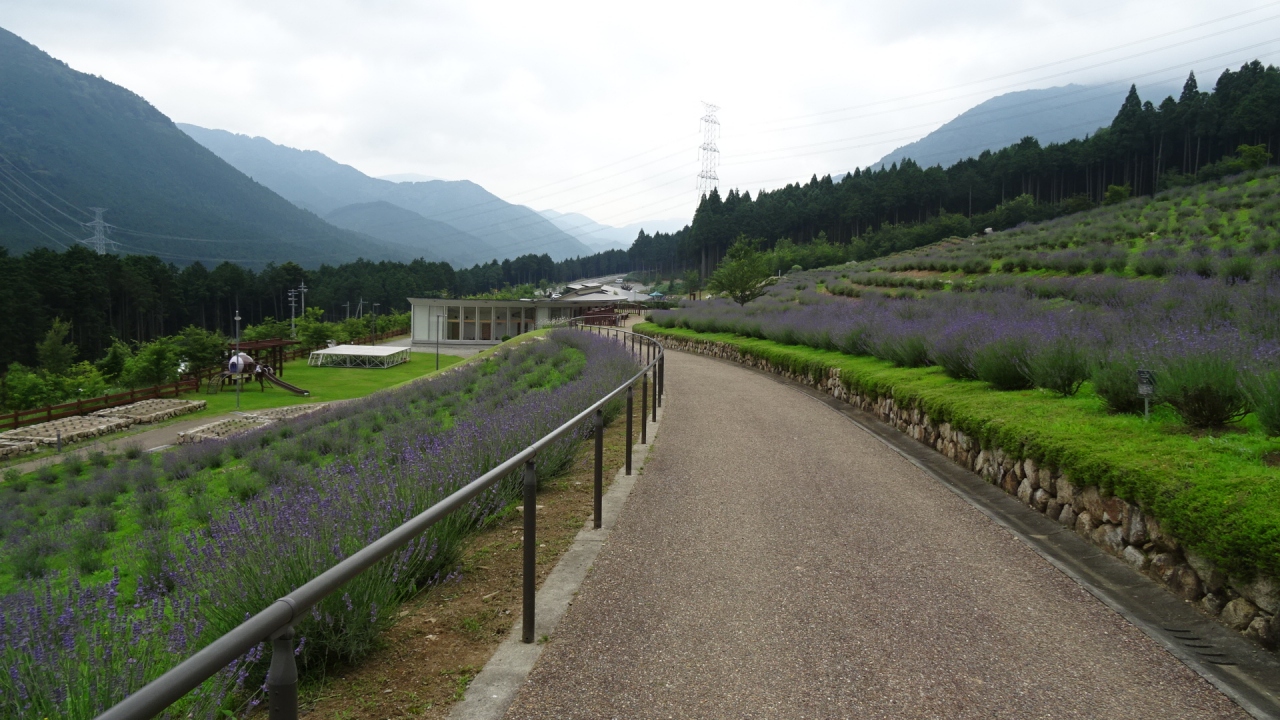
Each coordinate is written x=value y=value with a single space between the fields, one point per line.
x=599 y=484
x=644 y=409
x=662 y=378
x=630 y=411
x=282 y=678
x=655 y=393
x=530 y=547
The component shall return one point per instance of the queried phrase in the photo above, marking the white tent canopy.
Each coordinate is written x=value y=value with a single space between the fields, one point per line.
x=365 y=356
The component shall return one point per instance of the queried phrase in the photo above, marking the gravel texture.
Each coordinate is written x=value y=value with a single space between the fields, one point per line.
x=774 y=561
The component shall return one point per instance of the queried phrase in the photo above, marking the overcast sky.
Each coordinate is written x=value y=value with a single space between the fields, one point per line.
x=594 y=107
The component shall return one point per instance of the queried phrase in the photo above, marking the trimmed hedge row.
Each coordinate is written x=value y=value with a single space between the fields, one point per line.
x=1216 y=495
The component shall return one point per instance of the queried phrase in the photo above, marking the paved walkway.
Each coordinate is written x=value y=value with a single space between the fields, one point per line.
x=774 y=561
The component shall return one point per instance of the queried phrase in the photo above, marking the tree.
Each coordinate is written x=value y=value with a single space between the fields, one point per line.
x=201 y=349
x=54 y=352
x=155 y=363
x=744 y=274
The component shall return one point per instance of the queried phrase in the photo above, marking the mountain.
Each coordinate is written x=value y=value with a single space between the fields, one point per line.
x=1055 y=114
x=71 y=141
x=407 y=177
x=424 y=237
x=318 y=183
x=605 y=237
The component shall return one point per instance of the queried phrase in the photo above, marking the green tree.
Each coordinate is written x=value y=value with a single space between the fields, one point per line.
x=1116 y=194
x=313 y=331
x=744 y=274
x=1253 y=157
x=113 y=363
x=54 y=352
x=201 y=349
x=155 y=363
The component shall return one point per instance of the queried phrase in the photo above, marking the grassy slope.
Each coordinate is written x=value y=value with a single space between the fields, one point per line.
x=1215 y=494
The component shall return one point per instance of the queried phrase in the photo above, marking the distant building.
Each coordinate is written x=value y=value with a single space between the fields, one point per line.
x=477 y=322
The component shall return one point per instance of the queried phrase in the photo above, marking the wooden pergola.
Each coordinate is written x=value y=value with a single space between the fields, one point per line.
x=273 y=349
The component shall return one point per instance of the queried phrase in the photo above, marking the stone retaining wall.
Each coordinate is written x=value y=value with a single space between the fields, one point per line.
x=72 y=429
x=149 y=411
x=1118 y=527
x=222 y=429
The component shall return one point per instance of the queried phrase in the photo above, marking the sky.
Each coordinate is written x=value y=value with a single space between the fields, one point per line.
x=597 y=107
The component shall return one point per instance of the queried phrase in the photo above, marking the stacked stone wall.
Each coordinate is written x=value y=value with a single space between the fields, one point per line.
x=1119 y=527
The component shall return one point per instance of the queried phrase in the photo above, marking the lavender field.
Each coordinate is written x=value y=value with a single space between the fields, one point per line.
x=157 y=556
x=1186 y=284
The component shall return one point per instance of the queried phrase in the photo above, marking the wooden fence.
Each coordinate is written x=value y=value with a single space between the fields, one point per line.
x=19 y=418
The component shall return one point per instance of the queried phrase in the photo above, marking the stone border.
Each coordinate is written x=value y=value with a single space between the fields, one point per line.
x=220 y=430
x=1118 y=527
x=223 y=429
x=154 y=410
x=73 y=429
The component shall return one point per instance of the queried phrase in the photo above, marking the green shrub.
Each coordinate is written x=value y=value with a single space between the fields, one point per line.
x=46 y=475
x=1204 y=389
x=1263 y=391
x=30 y=556
x=1116 y=382
x=1238 y=269
x=132 y=451
x=1061 y=367
x=1003 y=364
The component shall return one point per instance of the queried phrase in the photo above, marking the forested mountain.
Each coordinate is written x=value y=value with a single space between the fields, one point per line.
x=591 y=233
x=428 y=239
x=316 y=182
x=1050 y=115
x=1147 y=146
x=71 y=141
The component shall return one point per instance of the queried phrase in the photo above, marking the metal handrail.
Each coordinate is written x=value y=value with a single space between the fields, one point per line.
x=275 y=623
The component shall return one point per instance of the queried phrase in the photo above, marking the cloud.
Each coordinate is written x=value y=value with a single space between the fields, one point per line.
x=593 y=107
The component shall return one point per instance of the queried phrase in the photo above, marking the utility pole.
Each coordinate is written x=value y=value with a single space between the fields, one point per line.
x=347 y=305
x=303 y=289
x=240 y=379
x=99 y=241
x=375 y=324
x=293 y=306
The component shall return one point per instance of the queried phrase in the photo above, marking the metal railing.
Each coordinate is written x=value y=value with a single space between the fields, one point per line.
x=275 y=623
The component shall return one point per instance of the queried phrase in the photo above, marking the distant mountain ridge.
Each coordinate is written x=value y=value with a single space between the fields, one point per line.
x=605 y=237
x=1055 y=114
x=431 y=239
x=318 y=183
x=70 y=141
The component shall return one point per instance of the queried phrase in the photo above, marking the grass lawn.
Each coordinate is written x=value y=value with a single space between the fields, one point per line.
x=324 y=383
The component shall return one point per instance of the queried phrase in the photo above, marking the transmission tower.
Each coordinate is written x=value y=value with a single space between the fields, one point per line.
x=707 y=178
x=99 y=241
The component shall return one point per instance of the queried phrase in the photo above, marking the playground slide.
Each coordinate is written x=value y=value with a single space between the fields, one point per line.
x=271 y=378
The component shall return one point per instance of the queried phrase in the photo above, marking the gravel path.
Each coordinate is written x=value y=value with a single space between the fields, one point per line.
x=774 y=561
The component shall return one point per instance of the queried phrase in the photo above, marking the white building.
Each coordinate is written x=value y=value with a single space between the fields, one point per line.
x=473 y=322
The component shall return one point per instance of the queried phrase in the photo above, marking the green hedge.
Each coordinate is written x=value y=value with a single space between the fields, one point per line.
x=1217 y=495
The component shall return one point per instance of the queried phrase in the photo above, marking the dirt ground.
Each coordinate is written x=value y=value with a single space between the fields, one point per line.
x=446 y=635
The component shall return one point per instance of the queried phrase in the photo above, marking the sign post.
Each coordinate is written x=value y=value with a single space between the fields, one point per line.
x=1146 y=388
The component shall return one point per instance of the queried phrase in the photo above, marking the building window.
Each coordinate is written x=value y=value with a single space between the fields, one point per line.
x=500 y=322
x=468 y=323
x=453 y=334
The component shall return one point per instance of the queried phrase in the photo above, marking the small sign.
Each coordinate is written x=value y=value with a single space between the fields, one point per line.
x=1146 y=383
